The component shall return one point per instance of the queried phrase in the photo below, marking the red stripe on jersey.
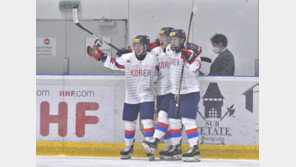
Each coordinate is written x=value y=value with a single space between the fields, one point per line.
x=120 y=66
x=176 y=130
x=162 y=125
x=199 y=64
x=113 y=60
x=129 y=132
x=190 y=131
x=168 y=132
x=149 y=130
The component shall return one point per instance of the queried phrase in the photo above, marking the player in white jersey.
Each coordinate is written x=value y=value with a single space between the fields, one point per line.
x=164 y=98
x=140 y=68
x=189 y=95
x=189 y=98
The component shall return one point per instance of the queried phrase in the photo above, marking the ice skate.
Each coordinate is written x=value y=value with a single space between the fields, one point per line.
x=174 y=153
x=150 y=157
x=150 y=147
x=192 y=155
x=161 y=153
x=127 y=152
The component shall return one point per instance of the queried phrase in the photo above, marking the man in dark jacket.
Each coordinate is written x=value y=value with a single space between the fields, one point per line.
x=224 y=63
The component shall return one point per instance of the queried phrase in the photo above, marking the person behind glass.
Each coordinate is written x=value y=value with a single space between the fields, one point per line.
x=224 y=63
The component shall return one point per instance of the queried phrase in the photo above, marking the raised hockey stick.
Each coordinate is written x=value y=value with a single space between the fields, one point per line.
x=182 y=72
x=76 y=21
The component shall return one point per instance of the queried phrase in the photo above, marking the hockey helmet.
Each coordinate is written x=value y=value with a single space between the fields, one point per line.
x=143 y=39
x=166 y=31
x=178 y=33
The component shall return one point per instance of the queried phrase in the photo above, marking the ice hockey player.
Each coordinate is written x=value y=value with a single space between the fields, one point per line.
x=189 y=98
x=164 y=98
x=140 y=67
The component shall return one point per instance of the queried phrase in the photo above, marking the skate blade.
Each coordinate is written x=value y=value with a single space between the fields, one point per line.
x=177 y=157
x=191 y=159
x=172 y=158
x=151 y=158
x=129 y=156
x=167 y=158
x=147 y=148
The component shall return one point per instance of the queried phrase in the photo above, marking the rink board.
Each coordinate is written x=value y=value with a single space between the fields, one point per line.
x=81 y=115
x=113 y=150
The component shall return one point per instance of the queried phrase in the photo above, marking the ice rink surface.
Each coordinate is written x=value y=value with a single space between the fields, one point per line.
x=63 y=161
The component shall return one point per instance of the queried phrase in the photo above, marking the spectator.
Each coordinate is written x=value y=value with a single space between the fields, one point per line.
x=224 y=63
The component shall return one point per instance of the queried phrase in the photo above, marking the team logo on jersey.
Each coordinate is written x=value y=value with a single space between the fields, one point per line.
x=164 y=64
x=175 y=61
x=141 y=72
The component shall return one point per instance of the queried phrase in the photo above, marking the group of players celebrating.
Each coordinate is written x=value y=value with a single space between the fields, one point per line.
x=163 y=59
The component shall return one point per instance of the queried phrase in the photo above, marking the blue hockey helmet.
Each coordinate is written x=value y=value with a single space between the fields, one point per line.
x=143 y=39
x=166 y=31
x=180 y=34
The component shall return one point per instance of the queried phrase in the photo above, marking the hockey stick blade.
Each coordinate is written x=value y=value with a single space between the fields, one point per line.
x=74 y=15
x=76 y=21
x=206 y=59
x=194 y=9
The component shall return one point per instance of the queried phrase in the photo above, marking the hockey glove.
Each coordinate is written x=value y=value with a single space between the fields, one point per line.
x=154 y=44
x=194 y=47
x=124 y=51
x=96 y=53
x=188 y=56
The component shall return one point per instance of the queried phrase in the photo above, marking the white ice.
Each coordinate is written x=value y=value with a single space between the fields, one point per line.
x=64 y=161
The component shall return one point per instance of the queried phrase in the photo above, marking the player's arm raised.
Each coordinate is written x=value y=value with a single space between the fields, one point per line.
x=116 y=63
x=192 y=59
x=109 y=62
x=96 y=53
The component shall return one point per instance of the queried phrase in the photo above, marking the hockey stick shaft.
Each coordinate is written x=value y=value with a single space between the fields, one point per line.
x=183 y=66
x=76 y=21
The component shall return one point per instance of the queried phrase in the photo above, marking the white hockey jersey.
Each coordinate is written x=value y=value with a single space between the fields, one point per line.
x=139 y=75
x=190 y=83
x=163 y=79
